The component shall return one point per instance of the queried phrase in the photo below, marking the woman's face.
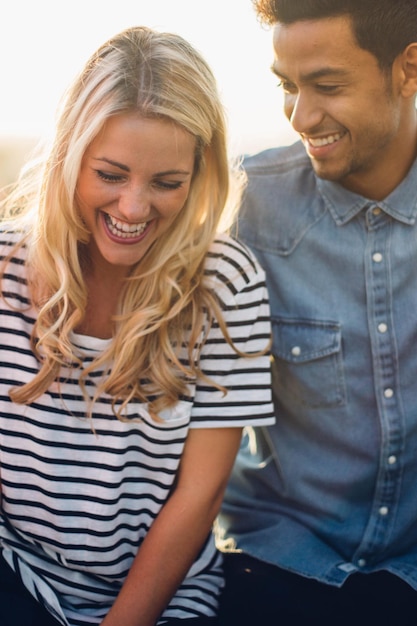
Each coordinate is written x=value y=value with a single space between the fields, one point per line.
x=134 y=180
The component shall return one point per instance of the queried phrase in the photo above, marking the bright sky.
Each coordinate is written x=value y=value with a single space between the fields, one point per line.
x=44 y=43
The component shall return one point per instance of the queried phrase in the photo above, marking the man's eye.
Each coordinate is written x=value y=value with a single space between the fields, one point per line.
x=327 y=88
x=286 y=86
x=110 y=178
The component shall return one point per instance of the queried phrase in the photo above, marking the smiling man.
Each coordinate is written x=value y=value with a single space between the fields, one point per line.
x=320 y=516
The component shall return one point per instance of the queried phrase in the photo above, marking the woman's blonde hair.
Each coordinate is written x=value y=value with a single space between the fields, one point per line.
x=157 y=75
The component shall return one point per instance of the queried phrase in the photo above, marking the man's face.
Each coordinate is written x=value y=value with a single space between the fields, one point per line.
x=349 y=113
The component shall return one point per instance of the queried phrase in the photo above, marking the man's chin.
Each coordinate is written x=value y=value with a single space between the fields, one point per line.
x=328 y=173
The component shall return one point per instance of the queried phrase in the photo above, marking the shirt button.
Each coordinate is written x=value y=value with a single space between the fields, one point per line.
x=388 y=393
x=362 y=562
x=377 y=257
x=376 y=211
x=392 y=459
x=296 y=351
x=382 y=328
x=384 y=510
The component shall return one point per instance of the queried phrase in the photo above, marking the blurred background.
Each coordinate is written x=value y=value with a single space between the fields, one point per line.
x=44 y=43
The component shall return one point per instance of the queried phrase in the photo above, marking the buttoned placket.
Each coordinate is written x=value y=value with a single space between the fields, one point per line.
x=385 y=374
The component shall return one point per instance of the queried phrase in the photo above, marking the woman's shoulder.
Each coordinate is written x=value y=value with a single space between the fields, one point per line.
x=227 y=254
x=12 y=248
x=10 y=237
x=230 y=262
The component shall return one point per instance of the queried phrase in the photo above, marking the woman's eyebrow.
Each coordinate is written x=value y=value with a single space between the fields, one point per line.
x=125 y=168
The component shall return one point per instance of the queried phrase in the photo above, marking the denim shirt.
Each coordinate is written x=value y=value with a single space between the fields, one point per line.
x=331 y=489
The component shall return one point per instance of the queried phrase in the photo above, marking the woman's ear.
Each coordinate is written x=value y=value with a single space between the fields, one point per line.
x=407 y=65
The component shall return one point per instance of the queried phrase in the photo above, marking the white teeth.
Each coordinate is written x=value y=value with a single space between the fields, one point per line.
x=123 y=229
x=324 y=141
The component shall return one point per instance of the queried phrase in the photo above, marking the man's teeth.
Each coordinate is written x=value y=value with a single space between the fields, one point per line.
x=324 y=141
x=123 y=229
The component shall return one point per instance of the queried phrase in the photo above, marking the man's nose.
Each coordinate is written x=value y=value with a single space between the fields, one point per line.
x=303 y=111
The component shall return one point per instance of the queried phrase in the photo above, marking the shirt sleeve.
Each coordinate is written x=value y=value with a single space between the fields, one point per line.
x=239 y=283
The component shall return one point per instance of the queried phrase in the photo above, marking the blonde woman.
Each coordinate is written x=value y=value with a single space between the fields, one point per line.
x=134 y=338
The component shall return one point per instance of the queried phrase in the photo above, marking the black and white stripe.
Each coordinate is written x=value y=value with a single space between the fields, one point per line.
x=78 y=501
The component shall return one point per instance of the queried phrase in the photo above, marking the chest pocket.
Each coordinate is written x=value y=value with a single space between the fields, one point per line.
x=308 y=363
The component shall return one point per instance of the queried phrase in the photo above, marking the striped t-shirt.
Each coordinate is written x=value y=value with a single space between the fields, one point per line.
x=78 y=500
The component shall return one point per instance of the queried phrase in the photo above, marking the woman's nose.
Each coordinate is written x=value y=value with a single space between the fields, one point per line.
x=134 y=203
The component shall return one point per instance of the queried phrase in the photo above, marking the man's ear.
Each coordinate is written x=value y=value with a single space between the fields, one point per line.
x=407 y=64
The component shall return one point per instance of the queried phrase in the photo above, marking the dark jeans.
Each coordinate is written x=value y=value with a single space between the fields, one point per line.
x=19 y=608
x=193 y=621
x=257 y=594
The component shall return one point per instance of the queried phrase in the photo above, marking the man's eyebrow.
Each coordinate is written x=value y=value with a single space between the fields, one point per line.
x=323 y=72
x=275 y=71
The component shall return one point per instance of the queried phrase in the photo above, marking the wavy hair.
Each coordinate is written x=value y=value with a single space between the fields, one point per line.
x=158 y=75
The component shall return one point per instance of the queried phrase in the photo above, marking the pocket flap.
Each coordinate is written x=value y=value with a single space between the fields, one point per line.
x=298 y=341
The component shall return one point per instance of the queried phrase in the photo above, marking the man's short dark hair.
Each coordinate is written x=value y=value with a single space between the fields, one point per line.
x=383 y=27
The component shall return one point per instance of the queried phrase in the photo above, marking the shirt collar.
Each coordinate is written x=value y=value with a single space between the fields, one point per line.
x=401 y=204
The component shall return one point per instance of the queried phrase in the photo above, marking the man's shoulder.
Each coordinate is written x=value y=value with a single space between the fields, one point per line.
x=281 y=200
x=276 y=161
x=286 y=171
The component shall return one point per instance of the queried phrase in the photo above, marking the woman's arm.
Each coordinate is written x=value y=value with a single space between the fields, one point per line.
x=178 y=533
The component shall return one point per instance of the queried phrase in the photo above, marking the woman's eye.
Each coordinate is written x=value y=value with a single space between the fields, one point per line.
x=169 y=185
x=110 y=178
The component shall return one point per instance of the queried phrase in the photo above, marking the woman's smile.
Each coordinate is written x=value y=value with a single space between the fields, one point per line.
x=129 y=233
x=134 y=180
